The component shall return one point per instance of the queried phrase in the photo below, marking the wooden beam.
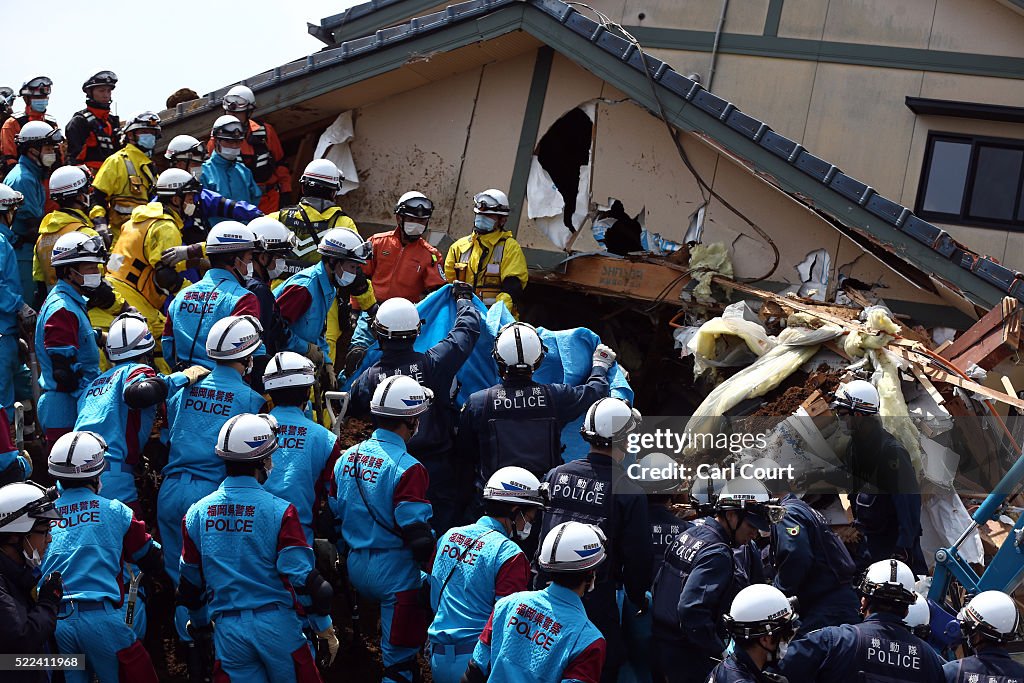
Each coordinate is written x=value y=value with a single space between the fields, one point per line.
x=623 y=277
x=936 y=373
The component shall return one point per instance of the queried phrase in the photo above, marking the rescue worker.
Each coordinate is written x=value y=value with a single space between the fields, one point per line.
x=383 y=516
x=28 y=616
x=274 y=244
x=477 y=564
x=92 y=132
x=120 y=405
x=490 y=258
x=91 y=543
x=919 y=618
x=6 y=98
x=879 y=648
x=812 y=563
x=224 y=172
x=761 y=621
x=581 y=491
x=518 y=421
x=306 y=452
x=69 y=187
x=699 y=579
x=404 y=264
x=126 y=178
x=306 y=298
x=221 y=293
x=15 y=315
x=989 y=621
x=38 y=144
x=545 y=636
x=36 y=95
x=246 y=559
x=136 y=267
x=261 y=151
x=887 y=507
x=66 y=345
x=188 y=154
x=396 y=326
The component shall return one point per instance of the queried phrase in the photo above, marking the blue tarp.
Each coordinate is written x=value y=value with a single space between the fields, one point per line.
x=568 y=360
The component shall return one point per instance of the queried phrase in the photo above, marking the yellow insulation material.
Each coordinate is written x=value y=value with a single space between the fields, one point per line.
x=706 y=261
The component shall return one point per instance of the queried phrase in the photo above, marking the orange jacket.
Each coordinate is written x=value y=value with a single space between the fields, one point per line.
x=272 y=175
x=405 y=270
x=11 y=127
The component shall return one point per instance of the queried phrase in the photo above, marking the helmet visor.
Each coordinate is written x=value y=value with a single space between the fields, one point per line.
x=235 y=103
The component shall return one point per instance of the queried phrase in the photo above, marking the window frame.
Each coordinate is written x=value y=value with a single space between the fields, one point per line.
x=964 y=217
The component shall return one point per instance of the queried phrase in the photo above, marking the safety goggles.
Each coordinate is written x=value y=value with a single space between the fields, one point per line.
x=420 y=207
x=91 y=247
x=231 y=131
x=102 y=78
x=235 y=103
x=485 y=203
x=40 y=85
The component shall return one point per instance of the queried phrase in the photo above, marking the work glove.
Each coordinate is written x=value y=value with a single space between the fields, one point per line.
x=354 y=359
x=315 y=354
x=462 y=290
x=194 y=373
x=175 y=255
x=329 y=636
x=329 y=382
x=27 y=317
x=604 y=357
x=51 y=591
x=104 y=232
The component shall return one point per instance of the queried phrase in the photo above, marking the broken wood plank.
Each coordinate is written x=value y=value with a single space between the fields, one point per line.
x=624 y=277
x=927 y=384
x=1003 y=319
x=936 y=373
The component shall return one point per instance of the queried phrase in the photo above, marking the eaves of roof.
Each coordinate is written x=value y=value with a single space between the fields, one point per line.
x=849 y=203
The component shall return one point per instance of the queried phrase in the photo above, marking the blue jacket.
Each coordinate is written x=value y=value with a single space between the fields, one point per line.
x=195 y=416
x=476 y=564
x=992 y=661
x=542 y=637
x=212 y=205
x=305 y=299
x=737 y=668
x=196 y=309
x=66 y=335
x=880 y=645
x=230 y=179
x=436 y=369
x=246 y=546
x=519 y=422
x=303 y=463
x=27 y=178
x=380 y=490
x=665 y=527
x=91 y=542
x=11 y=298
x=890 y=505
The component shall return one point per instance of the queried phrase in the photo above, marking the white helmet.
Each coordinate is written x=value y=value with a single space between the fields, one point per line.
x=10 y=198
x=238 y=98
x=518 y=348
x=491 y=201
x=68 y=181
x=175 y=182
x=247 y=438
x=415 y=205
x=235 y=337
x=147 y=120
x=78 y=455
x=185 y=148
x=288 y=369
x=858 y=396
x=322 y=173
x=752 y=499
x=345 y=244
x=761 y=610
x=38 y=133
x=23 y=504
x=228 y=237
x=400 y=396
x=993 y=614
x=128 y=337
x=397 y=318
x=572 y=547
x=77 y=247
x=919 y=617
x=889 y=581
x=609 y=420
x=653 y=469
x=273 y=235
x=227 y=127
x=704 y=491
x=515 y=486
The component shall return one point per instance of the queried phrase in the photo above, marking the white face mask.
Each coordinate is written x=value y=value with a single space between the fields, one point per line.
x=593 y=583
x=33 y=560
x=345 y=279
x=230 y=153
x=412 y=228
x=780 y=654
x=189 y=208
x=246 y=270
x=524 y=533
x=48 y=159
x=276 y=269
x=196 y=171
x=91 y=281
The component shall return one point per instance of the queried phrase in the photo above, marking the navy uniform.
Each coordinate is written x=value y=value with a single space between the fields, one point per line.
x=812 y=564
x=878 y=649
x=582 y=491
x=738 y=667
x=989 y=664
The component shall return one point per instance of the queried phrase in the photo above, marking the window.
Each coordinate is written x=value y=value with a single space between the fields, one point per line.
x=973 y=181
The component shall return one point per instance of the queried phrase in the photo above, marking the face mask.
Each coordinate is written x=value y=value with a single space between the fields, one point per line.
x=230 y=153
x=484 y=223
x=91 y=281
x=189 y=208
x=99 y=487
x=146 y=141
x=40 y=105
x=414 y=229
x=524 y=533
x=246 y=269
x=248 y=367
x=780 y=654
x=86 y=200
x=345 y=279
x=593 y=582
x=196 y=172
x=33 y=560
x=48 y=159
x=276 y=270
